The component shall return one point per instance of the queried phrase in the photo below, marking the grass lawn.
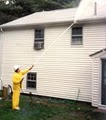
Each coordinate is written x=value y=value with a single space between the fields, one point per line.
x=40 y=108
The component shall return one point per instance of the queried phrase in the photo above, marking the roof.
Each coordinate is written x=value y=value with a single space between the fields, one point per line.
x=55 y=16
x=87 y=11
x=98 y=52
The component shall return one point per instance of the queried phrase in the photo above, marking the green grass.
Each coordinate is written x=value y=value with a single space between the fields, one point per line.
x=48 y=109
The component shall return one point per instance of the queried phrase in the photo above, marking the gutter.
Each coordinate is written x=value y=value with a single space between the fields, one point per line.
x=80 y=21
x=36 y=24
x=92 y=20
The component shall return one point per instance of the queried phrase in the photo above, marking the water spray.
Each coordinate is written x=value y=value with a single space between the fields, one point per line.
x=58 y=38
x=1 y=29
x=83 y=4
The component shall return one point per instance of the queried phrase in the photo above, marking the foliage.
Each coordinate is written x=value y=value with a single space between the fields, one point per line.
x=19 y=8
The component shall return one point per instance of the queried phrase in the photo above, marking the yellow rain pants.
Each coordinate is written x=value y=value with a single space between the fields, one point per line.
x=17 y=81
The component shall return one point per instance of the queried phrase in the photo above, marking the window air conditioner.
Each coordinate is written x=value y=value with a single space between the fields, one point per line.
x=39 y=45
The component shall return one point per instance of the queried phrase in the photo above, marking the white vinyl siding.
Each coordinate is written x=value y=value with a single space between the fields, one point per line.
x=0 y=53
x=63 y=69
x=95 y=82
x=98 y=37
x=97 y=78
x=1 y=41
x=17 y=49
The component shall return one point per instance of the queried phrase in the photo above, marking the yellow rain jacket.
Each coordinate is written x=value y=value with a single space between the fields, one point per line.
x=17 y=84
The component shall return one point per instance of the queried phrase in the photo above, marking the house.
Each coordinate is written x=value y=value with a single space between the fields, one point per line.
x=73 y=67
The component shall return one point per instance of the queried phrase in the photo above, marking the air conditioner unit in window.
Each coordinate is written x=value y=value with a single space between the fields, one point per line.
x=38 y=45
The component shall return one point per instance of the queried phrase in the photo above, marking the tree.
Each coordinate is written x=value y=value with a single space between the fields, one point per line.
x=46 y=5
x=19 y=8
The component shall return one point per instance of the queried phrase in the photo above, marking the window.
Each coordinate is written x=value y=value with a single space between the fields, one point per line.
x=31 y=80
x=77 y=36
x=39 y=39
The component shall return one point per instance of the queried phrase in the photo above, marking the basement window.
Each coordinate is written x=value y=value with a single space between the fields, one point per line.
x=31 y=80
x=77 y=36
x=39 y=39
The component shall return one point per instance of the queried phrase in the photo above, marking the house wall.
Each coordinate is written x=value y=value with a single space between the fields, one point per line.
x=97 y=79
x=64 y=69
x=1 y=59
x=96 y=82
x=0 y=52
x=100 y=39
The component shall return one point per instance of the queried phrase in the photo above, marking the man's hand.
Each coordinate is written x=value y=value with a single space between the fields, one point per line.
x=31 y=67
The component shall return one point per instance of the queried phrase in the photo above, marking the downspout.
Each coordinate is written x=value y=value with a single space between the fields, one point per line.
x=1 y=50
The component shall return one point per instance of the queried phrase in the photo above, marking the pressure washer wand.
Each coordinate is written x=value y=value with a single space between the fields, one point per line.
x=54 y=42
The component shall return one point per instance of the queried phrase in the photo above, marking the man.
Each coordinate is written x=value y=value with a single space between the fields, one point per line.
x=17 y=84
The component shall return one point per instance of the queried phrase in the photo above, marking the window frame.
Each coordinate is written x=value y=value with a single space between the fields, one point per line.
x=77 y=36
x=39 y=40
x=31 y=80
